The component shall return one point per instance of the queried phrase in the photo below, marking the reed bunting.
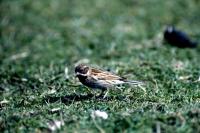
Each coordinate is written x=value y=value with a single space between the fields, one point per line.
x=99 y=79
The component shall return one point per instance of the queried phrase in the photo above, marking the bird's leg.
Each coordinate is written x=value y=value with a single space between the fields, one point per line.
x=102 y=93
x=119 y=87
x=107 y=91
x=89 y=91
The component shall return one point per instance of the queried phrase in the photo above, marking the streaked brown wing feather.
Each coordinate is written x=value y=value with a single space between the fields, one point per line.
x=104 y=75
x=95 y=71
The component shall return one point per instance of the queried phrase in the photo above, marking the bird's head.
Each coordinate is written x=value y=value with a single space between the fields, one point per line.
x=81 y=70
x=170 y=29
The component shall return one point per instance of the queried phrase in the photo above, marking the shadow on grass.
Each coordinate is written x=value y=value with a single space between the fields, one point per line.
x=68 y=99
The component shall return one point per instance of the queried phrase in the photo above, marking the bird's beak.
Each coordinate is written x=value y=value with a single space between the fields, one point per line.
x=77 y=74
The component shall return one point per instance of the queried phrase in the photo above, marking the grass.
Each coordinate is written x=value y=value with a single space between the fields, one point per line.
x=39 y=39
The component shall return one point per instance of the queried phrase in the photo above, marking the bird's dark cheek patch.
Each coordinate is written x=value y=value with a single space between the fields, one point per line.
x=85 y=70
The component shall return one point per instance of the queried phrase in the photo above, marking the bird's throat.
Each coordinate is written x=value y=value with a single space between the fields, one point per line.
x=82 y=78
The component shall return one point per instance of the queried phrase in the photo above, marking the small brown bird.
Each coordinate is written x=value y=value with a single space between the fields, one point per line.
x=99 y=79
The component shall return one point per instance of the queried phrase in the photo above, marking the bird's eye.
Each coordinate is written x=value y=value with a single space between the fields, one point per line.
x=82 y=69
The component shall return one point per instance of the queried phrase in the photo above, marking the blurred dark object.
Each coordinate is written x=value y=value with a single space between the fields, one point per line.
x=178 y=38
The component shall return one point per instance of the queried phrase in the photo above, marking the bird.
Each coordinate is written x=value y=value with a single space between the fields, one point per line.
x=178 y=38
x=100 y=79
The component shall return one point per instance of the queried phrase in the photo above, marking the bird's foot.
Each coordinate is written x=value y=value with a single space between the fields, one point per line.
x=105 y=95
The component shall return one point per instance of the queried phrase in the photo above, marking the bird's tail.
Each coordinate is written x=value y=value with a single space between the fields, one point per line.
x=134 y=82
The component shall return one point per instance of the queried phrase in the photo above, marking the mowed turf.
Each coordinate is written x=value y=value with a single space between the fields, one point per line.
x=41 y=40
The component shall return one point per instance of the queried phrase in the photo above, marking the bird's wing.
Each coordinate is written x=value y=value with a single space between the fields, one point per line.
x=104 y=75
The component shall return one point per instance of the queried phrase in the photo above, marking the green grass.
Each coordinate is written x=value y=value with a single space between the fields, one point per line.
x=39 y=39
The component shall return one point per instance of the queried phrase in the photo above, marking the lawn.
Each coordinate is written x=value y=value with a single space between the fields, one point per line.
x=42 y=41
